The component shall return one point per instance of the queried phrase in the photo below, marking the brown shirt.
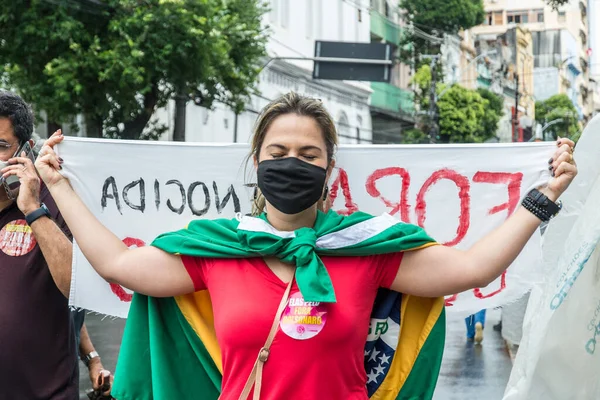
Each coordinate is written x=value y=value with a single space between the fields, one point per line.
x=37 y=343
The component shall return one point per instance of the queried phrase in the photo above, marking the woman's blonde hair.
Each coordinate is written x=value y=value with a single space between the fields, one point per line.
x=290 y=103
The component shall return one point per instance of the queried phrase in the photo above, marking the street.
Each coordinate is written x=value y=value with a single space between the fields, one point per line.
x=468 y=370
x=471 y=371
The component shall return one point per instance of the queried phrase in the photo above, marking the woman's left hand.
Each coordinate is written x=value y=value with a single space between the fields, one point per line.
x=563 y=168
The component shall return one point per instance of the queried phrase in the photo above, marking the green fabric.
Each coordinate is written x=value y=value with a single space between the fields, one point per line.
x=419 y=385
x=161 y=357
x=223 y=239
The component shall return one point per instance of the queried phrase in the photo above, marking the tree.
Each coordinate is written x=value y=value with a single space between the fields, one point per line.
x=116 y=62
x=444 y=15
x=556 y=3
x=461 y=114
x=414 y=136
x=493 y=112
x=557 y=107
x=464 y=115
x=436 y=17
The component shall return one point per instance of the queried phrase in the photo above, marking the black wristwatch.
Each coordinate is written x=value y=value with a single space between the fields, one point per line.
x=40 y=212
x=540 y=205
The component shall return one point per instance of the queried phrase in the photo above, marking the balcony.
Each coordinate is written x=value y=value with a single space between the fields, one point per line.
x=382 y=27
x=391 y=98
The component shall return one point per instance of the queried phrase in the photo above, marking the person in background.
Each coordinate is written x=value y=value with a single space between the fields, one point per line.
x=100 y=378
x=38 y=358
x=475 y=324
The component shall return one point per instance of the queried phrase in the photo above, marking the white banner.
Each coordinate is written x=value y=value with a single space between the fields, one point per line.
x=458 y=193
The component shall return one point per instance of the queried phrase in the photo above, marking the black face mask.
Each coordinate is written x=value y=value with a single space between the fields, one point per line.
x=289 y=184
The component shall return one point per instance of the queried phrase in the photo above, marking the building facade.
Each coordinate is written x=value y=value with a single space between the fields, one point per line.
x=509 y=72
x=392 y=104
x=294 y=28
x=536 y=16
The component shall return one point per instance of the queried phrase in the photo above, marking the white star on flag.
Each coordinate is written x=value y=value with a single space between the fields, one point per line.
x=372 y=377
x=380 y=368
x=374 y=355
x=367 y=352
x=384 y=359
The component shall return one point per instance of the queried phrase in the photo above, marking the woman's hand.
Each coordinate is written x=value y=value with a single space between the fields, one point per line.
x=48 y=164
x=563 y=168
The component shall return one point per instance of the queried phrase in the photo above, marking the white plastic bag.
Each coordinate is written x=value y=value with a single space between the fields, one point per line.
x=559 y=354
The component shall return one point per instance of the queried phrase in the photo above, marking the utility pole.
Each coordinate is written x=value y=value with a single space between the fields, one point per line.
x=433 y=110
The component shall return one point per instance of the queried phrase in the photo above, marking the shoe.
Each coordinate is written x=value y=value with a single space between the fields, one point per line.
x=478 y=332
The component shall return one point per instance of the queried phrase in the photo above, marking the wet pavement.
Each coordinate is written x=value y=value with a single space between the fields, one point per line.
x=106 y=335
x=469 y=371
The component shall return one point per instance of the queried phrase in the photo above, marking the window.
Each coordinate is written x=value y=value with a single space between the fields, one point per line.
x=583 y=37
x=387 y=8
x=318 y=16
x=498 y=18
x=518 y=17
x=309 y=18
x=562 y=16
x=341 y=20
x=274 y=10
x=344 y=129
x=540 y=16
x=495 y=18
x=285 y=13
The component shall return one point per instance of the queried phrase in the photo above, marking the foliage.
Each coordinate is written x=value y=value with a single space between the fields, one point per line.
x=493 y=112
x=436 y=17
x=461 y=113
x=444 y=15
x=465 y=115
x=555 y=4
x=414 y=136
x=117 y=61
x=557 y=107
x=421 y=81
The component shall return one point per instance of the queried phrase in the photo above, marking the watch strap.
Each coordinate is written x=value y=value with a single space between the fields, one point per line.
x=540 y=205
x=89 y=357
x=40 y=212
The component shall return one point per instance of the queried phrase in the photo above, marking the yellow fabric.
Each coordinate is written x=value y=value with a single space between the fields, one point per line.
x=197 y=310
x=418 y=316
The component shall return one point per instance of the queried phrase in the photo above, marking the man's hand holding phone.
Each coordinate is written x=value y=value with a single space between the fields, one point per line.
x=27 y=189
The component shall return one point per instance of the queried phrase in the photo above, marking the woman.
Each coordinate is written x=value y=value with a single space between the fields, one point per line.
x=292 y=150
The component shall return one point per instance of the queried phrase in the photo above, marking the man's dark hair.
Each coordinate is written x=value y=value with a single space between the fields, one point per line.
x=13 y=107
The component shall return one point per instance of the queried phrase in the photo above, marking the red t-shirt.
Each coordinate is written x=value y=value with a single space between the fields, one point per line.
x=318 y=352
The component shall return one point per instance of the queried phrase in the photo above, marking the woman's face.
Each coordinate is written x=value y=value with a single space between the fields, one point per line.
x=293 y=135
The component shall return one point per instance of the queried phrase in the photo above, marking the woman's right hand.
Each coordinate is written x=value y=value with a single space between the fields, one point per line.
x=48 y=164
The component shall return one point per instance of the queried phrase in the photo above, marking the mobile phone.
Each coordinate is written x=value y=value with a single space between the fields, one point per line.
x=12 y=183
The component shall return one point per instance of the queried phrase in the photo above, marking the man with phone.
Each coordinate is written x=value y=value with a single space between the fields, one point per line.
x=38 y=354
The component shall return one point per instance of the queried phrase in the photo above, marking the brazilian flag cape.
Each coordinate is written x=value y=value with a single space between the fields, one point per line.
x=169 y=349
